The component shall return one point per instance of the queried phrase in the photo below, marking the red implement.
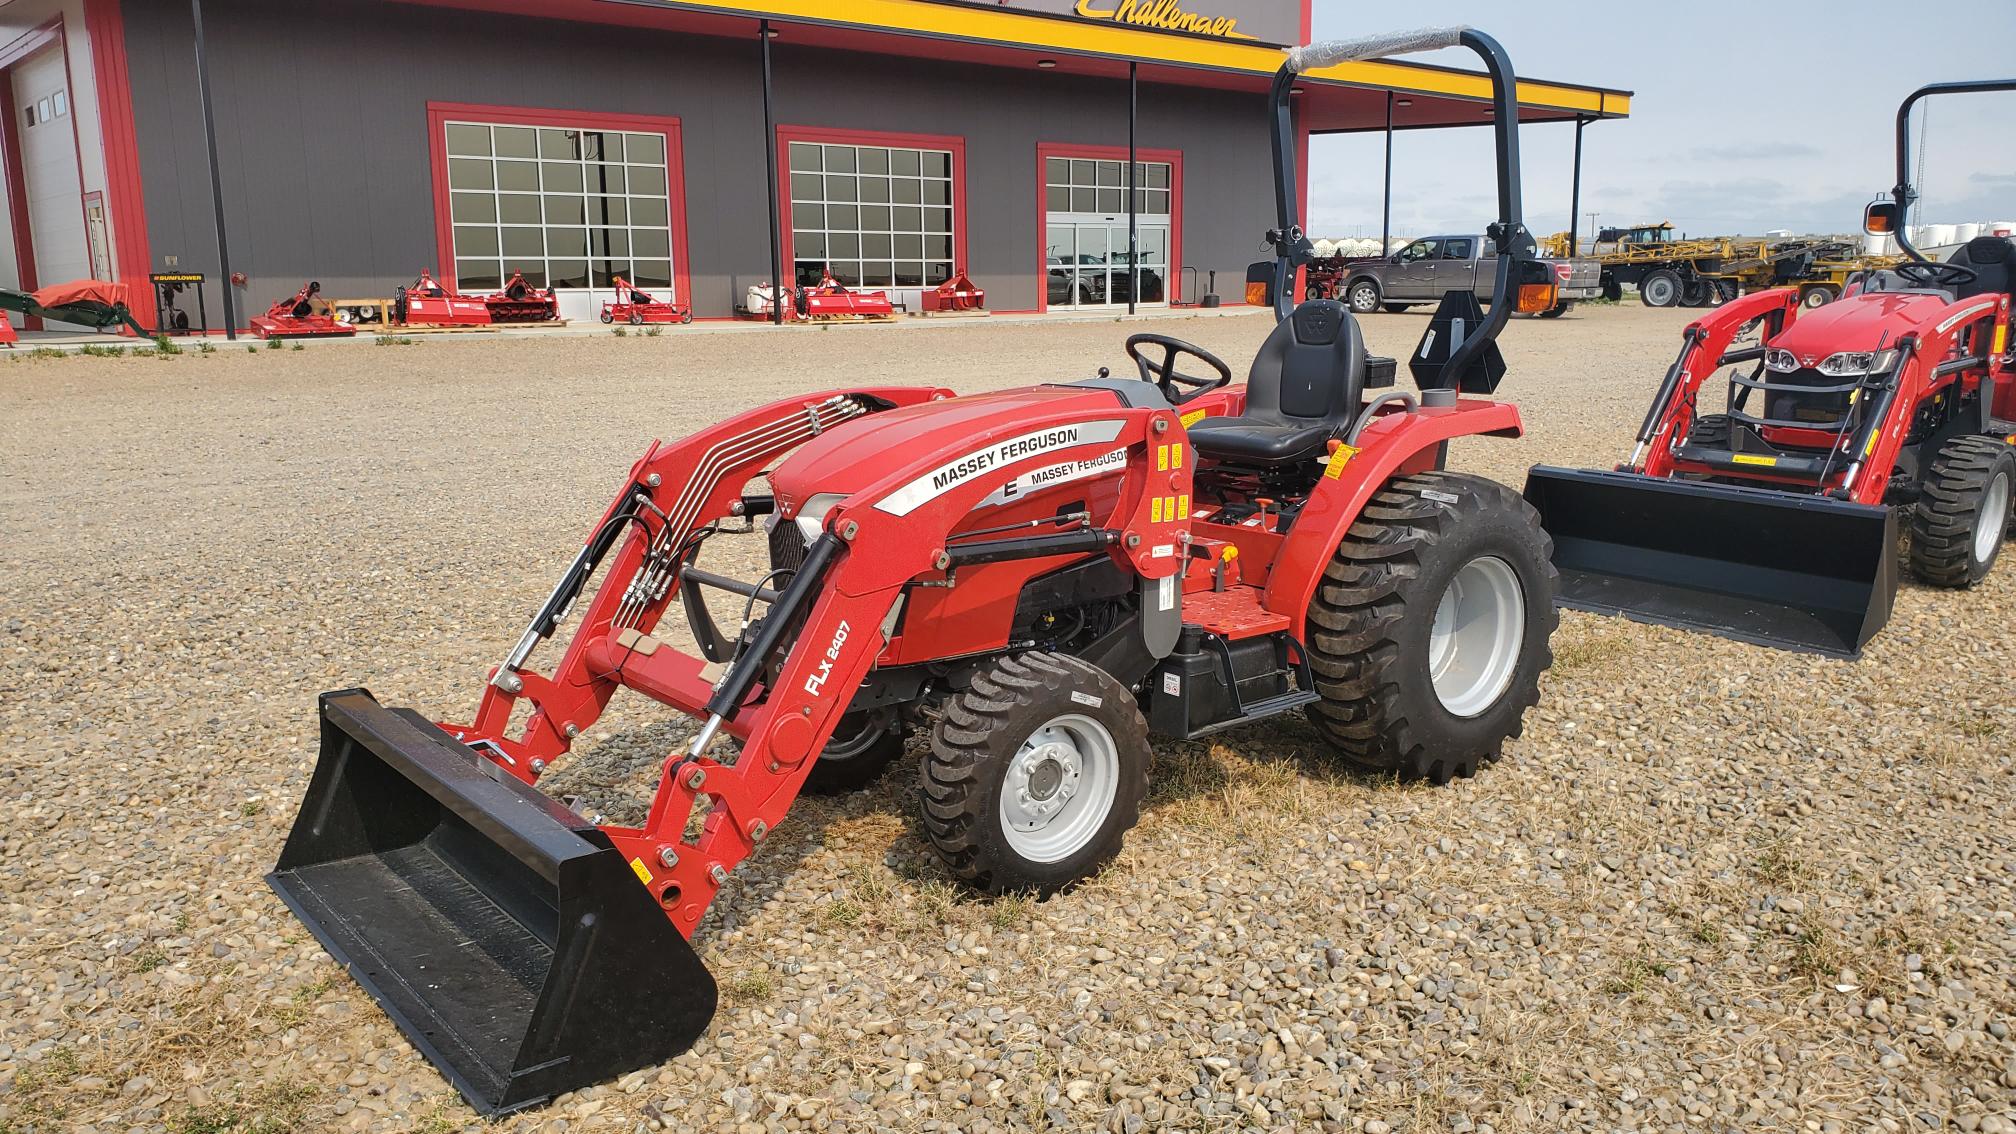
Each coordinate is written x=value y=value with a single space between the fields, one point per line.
x=306 y=315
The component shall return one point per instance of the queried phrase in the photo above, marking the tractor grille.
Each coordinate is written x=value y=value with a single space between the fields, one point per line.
x=787 y=545
x=1785 y=401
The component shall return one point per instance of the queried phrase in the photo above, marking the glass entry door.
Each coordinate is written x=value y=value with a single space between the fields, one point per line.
x=1088 y=265
x=1085 y=257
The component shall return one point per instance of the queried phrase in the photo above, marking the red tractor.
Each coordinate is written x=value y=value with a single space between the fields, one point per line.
x=1776 y=520
x=1038 y=579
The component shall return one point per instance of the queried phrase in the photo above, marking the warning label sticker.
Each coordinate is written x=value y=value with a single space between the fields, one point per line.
x=960 y=470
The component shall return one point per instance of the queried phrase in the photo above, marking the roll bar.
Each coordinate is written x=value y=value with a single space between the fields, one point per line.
x=1291 y=245
x=1904 y=193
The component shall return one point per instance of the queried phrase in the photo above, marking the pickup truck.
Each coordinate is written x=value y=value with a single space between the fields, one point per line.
x=1433 y=265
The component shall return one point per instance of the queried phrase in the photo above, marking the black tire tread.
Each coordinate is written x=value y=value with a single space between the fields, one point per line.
x=956 y=803
x=1942 y=523
x=1358 y=606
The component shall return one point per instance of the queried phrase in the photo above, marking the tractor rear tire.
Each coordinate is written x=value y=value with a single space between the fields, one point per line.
x=860 y=749
x=1961 y=521
x=1430 y=627
x=1659 y=289
x=1036 y=774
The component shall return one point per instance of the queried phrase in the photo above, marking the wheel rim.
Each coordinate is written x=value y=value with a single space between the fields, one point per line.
x=1659 y=291
x=1474 y=644
x=1059 y=788
x=1993 y=520
x=866 y=733
x=1364 y=298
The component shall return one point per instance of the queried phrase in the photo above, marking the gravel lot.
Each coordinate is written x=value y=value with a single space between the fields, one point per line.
x=1714 y=888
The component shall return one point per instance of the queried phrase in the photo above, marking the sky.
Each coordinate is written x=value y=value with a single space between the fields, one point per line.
x=1745 y=117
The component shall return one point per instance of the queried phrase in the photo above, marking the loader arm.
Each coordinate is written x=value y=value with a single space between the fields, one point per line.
x=876 y=542
x=1704 y=346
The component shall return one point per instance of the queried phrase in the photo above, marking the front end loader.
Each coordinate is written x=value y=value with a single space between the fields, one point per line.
x=1777 y=520
x=1038 y=579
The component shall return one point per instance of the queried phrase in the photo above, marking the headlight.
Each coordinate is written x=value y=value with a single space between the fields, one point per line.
x=1780 y=361
x=812 y=517
x=1851 y=363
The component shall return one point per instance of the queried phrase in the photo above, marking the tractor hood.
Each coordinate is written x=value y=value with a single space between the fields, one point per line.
x=1859 y=323
x=851 y=457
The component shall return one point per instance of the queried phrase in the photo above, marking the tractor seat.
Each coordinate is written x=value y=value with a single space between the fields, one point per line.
x=1303 y=390
x=1990 y=258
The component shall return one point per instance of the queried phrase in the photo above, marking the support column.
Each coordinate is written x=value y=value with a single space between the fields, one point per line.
x=1575 y=190
x=216 y=180
x=1133 y=159
x=777 y=264
x=1386 y=195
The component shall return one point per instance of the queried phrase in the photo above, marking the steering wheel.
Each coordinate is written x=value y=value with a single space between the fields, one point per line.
x=1935 y=273
x=1175 y=385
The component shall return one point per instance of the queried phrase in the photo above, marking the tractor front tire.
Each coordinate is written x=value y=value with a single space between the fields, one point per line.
x=1429 y=630
x=1363 y=297
x=861 y=748
x=1959 y=524
x=1035 y=775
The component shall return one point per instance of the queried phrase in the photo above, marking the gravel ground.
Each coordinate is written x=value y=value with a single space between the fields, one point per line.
x=1714 y=888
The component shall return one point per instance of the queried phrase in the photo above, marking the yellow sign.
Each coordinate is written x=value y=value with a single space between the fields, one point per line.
x=638 y=868
x=1195 y=416
x=1339 y=457
x=1753 y=459
x=1164 y=15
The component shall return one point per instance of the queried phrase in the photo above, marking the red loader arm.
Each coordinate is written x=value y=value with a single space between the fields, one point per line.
x=875 y=543
x=1704 y=346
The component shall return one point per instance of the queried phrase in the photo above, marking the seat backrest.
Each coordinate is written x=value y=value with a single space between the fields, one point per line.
x=1990 y=257
x=1311 y=368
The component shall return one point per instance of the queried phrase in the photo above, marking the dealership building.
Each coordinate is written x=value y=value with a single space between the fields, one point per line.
x=695 y=147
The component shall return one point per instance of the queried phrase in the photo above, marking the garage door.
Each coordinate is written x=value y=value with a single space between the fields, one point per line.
x=49 y=166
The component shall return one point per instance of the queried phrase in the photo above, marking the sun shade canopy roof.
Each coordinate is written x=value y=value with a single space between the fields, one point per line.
x=1341 y=98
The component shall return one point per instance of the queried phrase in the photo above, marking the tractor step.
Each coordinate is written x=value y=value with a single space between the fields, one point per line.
x=1212 y=682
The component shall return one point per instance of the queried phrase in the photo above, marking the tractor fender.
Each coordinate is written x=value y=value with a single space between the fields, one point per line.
x=1392 y=445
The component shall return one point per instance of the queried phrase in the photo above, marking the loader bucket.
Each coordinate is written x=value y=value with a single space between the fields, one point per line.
x=1778 y=569
x=502 y=932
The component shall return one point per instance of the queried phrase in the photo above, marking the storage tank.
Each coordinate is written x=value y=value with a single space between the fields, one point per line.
x=2002 y=228
x=1936 y=235
x=1962 y=233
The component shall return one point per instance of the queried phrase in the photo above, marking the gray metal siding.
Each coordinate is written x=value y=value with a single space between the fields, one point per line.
x=323 y=147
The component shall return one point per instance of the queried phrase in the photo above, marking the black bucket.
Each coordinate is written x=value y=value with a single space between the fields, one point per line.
x=1777 y=569
x=502 y=932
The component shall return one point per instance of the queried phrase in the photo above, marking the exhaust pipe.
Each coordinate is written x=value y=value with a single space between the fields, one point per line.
x=502 y=932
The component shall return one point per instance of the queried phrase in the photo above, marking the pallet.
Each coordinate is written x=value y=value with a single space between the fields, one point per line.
x=982 y=313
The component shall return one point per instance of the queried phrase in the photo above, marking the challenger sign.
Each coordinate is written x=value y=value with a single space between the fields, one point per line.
x=1162 y=15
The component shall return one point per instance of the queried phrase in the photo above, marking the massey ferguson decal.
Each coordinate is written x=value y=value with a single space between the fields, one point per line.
x=958 y=471
x=1050 y=476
